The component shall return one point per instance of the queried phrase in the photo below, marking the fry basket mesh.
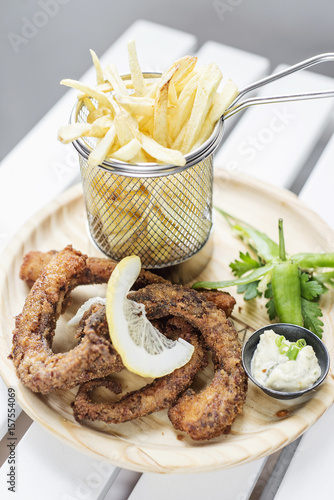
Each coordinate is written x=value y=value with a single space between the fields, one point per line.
x=164 y=219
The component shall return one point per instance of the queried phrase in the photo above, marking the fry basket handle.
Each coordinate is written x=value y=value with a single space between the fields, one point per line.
x=237 y=106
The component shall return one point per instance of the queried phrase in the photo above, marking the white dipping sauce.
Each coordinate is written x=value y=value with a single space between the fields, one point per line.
x=276 y=371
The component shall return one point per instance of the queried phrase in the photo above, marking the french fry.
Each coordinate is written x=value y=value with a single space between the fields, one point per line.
x=153 y=89
x=138 y=80
x=177 y=144
x=172 y=95
x=69 y=133
x=180 y=86
x=160 y=124
x=208 y=84
x=162 y=154
x=98 y=68
x=123 y=130
x=99 y=153
x=115 y=80
x=129 y=219
x=143 y=106
x=141 y=157
x=183 y=66
x=89 y=104
x=91 y=91
x=98 y=113
x=220 y=103
x=190 y=87
x=143 y=122
x=100 y=126
x=128 y=151
x=104 y=87
x=176 y=71
x=182 y=113
x=177 y=110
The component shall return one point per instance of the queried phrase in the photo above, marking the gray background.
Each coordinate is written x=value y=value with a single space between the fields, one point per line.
x=282 y=30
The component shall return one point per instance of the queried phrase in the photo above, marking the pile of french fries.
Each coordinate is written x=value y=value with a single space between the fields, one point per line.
x=156 y=120
x=148 y=119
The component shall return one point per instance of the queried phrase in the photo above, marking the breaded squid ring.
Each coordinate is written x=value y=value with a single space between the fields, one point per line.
x=98 y=270
x=212 y=411
x=157 y=396
x=36 y=365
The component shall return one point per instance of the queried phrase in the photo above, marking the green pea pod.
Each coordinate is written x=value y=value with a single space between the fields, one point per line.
x=314 y=260
x=285 y=284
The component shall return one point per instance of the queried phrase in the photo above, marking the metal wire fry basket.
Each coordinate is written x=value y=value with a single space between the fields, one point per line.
x=162 y=213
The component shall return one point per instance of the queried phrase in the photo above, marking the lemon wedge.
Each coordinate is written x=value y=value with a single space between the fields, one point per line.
x=143 y=349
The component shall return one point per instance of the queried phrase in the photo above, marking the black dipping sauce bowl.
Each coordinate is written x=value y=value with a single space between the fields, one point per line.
x=291 y=333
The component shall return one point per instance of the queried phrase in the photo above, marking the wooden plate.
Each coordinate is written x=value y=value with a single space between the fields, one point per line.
x=151 y=443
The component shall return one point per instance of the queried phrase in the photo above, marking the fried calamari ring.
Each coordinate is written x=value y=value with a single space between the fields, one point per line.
x=158 y=395
x=212 y=411
x=98 y=270
x=36 y=365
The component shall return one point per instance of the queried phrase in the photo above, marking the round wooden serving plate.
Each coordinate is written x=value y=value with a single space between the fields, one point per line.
x=151 y=443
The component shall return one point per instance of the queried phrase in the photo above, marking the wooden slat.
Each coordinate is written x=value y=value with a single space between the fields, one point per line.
x=318 y=189
x=272 y=142
x=47 y=468
x=241 y=66
x=237 y=483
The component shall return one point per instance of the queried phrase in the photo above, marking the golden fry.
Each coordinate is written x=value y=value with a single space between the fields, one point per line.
x=138 y=79
x=98 y=68
x=207 y=86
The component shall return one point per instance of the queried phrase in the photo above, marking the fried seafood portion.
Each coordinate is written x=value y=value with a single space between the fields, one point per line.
x=198 y=317
x=98 y=270
x=158 y=395
x=212 y=411
x=36 y=365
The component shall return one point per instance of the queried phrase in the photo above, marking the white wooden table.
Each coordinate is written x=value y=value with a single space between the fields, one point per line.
x=288 y=145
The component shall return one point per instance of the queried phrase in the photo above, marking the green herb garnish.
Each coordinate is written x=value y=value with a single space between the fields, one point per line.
x=290 y=350
x=292 y=285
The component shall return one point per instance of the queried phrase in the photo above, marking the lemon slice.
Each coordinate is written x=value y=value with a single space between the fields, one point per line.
x=143 y=349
